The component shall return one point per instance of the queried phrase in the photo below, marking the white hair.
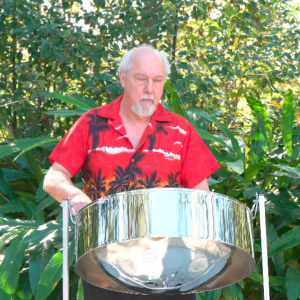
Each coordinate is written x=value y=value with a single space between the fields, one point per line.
x=126 y=61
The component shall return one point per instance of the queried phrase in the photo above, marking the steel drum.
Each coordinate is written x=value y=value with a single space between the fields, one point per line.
x=164 y=241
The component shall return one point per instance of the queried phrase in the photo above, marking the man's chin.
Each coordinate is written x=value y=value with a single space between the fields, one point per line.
x=144 y=110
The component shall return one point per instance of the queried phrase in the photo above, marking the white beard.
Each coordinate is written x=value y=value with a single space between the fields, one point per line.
x=144 y=109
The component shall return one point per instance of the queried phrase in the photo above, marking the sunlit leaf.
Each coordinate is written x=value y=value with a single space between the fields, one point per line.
x=38 y=260
x=7 y=237
x=50 y=277
x=53 y=273
x=80 y=295
x=10 y=267
x=236 y=166
x=24 y=145
x=23 y=291
x=67 y=113
x=287 y=122
x=258 y=109
x=174 y=99
x=84 y=104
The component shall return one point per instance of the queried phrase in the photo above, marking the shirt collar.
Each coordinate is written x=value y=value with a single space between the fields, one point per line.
x=111 y=111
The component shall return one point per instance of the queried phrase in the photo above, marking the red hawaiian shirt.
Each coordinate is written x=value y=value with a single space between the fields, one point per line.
x=170 y=153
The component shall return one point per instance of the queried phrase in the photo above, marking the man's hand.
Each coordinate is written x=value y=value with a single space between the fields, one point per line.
x=58 y=184
x=202 y=185
x=78 y=202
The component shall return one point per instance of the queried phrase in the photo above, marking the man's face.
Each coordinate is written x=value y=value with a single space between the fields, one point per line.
x=144 y=84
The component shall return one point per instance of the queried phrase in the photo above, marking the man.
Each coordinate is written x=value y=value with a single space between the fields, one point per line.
x=129 y=144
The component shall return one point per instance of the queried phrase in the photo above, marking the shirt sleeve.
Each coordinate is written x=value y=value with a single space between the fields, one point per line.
x=71 y=151
x=198 y=163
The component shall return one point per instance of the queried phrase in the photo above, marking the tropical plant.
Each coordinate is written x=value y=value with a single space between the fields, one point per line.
x=232 y=65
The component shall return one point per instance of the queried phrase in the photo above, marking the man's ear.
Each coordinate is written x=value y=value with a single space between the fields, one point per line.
x=122 y=78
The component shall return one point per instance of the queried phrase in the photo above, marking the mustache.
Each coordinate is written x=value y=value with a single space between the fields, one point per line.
x=151 y=97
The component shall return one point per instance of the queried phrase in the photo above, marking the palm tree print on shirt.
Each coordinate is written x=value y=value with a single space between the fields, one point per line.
x=147 y=182
x=96 y=190
x=121 y=182
x=134 y=170
x=152 y=137
x=172 y=180
x=98 y=125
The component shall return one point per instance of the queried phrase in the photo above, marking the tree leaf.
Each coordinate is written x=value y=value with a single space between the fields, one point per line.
x=287 y=122
x=174 y=99
x=24 y=145
x=53 y=273
x=50 y=277
x=10 y=267
x=23 y=291
x=7 y=237
x=13 y=175
x=234 y=141
x=256 y=277
x=19 y=223
x=205 y=135
x=43 y=233
x=292 y=283
x=258 y=109
x=66 y=113
x=37 y=170
x=80 y=294
x=85 y=104
x=6 y=188
x=278 y=260
x=45 y=203
x=284 y=242
x=38 y=260
x=277 y=280
x=236 y=166
x=11 y=207
x=252 y=171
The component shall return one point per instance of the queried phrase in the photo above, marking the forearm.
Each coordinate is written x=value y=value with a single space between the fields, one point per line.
x=60 y=186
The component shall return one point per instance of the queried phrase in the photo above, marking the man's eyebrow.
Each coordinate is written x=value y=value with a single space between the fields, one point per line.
x=140 y=74
x=144 y=75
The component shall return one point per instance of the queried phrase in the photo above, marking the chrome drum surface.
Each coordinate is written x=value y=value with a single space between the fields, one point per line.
x=164 y=241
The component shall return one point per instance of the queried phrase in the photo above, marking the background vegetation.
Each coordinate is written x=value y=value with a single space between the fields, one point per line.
x=234 y=75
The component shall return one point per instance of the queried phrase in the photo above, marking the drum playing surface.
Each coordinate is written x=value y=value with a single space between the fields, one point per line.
x=164 y=241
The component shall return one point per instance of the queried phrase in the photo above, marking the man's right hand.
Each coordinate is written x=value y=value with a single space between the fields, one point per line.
x=78 y=202
x=58 y=184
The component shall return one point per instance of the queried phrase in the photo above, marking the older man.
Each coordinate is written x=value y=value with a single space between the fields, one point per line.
x=131 y=143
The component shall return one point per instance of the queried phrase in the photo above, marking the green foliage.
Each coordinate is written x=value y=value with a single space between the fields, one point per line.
x=234 y=76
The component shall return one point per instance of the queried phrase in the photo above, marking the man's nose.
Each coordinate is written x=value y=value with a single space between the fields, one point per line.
x=149 y=86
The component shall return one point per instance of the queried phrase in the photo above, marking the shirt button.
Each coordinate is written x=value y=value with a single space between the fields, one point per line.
x=132 y=160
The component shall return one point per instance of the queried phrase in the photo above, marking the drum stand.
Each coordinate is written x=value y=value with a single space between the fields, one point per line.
x=65 y=205
x=259 y=201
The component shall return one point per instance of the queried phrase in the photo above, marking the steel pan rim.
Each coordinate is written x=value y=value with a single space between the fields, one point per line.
x=163 y=190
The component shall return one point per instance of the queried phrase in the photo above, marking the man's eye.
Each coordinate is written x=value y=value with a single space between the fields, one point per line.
x=141 y=79
x=157 y=81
